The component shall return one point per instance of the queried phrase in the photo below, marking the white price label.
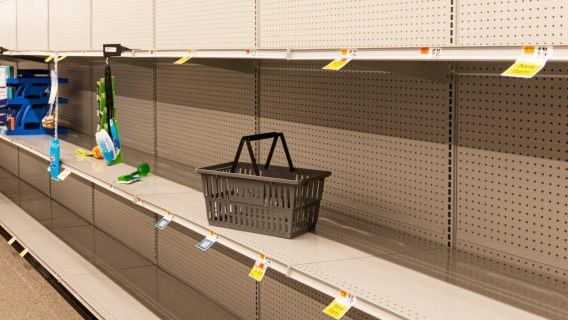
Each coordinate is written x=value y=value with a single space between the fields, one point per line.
x=208 y=242
x=165 y=221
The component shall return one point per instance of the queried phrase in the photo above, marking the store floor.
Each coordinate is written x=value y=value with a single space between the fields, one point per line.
x=25 y=293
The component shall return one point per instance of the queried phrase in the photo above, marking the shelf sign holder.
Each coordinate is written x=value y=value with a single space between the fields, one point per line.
x=114 y=50
x=340 y=305
x=530 y=63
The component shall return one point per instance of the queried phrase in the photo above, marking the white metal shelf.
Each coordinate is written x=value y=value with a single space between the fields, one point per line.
x=384 y=289
x=95 y=290
x=509 y=53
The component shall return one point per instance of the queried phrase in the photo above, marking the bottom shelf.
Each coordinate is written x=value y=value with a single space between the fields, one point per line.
x=111 y=279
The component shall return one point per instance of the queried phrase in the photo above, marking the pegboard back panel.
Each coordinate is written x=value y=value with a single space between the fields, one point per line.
x=219 y=273
x=354 y=24
x=33 y=170
x=76 y=195
x=8 y=24
x=214 y=24
x=35 y=202
x=128 y=22
x=203 y=112
x=9 y=185
x=134 y=89
x=512 y=23
x=9 y=157
x=126 y=222
x=383 y=137
x=79 y=113
x=32 y=20
x=70 y=24
x=278 y=292
x=512 y=170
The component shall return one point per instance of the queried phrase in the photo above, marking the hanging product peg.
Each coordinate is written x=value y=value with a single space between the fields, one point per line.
x=114 y=50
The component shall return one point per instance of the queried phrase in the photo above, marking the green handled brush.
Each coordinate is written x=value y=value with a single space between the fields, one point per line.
x=141 y=171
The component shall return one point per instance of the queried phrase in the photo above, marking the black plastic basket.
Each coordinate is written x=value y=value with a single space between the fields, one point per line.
x=272 y=200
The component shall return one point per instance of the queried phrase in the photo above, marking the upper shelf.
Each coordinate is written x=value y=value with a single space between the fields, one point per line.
x=394 y=54
x=505 y=53
x=385 y=288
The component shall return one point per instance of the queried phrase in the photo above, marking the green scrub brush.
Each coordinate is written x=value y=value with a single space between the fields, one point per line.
x=141 y=171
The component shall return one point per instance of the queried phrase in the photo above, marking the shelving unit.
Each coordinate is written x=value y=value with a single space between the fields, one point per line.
x=446 y=199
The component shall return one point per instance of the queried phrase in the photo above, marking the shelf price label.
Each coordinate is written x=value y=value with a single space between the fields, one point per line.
x=165 y=221
x=260 y=267
x=530 y=63
x=24 y=252
x=208 y=242
x=48 y=59
x=427 y=52
x=340 y=305
x=185 y=58
x=344 y=58
x=250 y=52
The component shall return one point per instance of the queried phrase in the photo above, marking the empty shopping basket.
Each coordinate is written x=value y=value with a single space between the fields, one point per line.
x=272 y=200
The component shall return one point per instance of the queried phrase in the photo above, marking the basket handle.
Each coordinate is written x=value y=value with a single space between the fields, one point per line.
x=271 y=135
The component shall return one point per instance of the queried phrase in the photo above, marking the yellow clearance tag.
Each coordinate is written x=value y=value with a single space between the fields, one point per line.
x=524 y=69
x=185 y=59
x=11 y=241
x=532 y=61
x=339 y=307
x=337 y=64
x=342 y=60
x=259 y=268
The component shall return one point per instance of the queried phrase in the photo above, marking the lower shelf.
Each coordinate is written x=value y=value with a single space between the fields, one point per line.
x=394 y=277
x=104 y=298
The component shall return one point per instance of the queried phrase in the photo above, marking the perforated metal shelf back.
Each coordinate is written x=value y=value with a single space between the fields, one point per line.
x=213 y=24
x=8 y=23
x=128 y=22
x=33 y=170
x=9 y=157
x=70 y=24
x=79 y=113
x=278 y=292
x=219 y=273
x=76 y=195
x=203 y=112
x=126 y=222
x=355 y=24
x=32 y=24
x=512 y=22
x=512 y=169
x=384 y=138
